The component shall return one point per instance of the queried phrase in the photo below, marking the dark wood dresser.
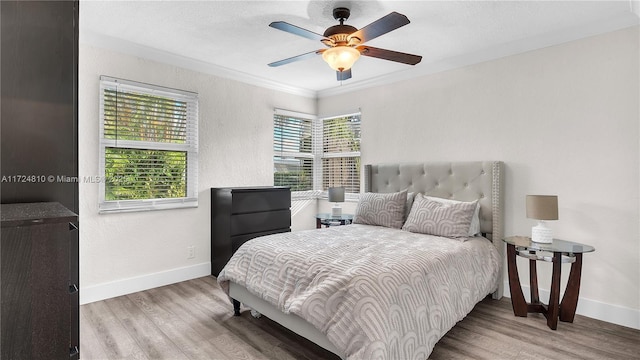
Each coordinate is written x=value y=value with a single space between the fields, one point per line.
x=38 y=290
x=241 y=214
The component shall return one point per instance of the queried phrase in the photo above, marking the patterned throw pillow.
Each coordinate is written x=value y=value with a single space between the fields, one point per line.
x=381 y=209
x=441 y=219
x=474 y=228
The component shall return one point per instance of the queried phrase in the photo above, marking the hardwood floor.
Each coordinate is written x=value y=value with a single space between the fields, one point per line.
x=194 y=320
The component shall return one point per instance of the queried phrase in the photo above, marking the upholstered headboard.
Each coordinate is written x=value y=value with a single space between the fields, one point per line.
x=464 y=181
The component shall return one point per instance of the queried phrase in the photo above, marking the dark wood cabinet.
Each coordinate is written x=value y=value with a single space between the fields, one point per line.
x=39 y=141
x=241 y=214
x=38 y=84
x=38 y=291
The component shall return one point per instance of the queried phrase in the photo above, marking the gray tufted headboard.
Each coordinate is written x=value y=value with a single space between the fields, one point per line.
x=464 y=181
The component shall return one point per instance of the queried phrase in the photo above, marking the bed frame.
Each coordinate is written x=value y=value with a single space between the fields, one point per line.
x=465 y=181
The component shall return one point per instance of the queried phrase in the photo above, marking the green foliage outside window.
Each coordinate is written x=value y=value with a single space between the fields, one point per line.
x=140 y=120
x=297 y=175
x=144 y=174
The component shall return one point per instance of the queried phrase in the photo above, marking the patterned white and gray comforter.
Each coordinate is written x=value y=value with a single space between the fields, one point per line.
x=376 y=292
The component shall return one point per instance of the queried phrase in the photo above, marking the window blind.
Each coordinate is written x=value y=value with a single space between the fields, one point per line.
x=149 y=146
x=312 y=154
x=341 y=152
x=293 y=158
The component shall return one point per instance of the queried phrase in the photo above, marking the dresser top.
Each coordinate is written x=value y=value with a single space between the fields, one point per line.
x=35 y=213
x=253 y=188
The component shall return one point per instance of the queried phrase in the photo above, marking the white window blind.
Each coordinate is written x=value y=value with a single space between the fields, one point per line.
x=341 y=152
x=148 y=147
x=312 y=154
x=293 y=156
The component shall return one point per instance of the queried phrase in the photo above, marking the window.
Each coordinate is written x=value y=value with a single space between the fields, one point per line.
x=341 y=152
x=293 y=155
x=148 y=147
x=312 y=154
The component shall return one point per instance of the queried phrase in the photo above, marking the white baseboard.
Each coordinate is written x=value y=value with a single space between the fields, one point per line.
x=591 y=308
x=140 y=283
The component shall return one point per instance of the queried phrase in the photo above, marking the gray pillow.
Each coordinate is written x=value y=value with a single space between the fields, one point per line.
x=381 y=209
x=474 y=228
x=450 y=220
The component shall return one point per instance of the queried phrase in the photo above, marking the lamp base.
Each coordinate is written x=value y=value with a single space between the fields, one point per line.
x=541 y=234
x=336 y=211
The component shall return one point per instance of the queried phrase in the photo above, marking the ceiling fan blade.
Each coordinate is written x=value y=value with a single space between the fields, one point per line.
x=390 y=55
x=296 y=30
x=296 y=58
x=343 y=75
x=381 y=26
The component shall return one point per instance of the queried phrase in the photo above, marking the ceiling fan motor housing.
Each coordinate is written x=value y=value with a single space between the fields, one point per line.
x=340 y=33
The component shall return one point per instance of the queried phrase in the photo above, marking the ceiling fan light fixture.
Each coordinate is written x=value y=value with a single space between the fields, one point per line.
x=341 y=58
x=344 y=42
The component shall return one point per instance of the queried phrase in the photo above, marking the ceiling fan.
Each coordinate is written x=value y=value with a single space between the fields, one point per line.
x=345 y=43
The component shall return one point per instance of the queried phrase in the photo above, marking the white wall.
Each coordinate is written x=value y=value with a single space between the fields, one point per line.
x=127 y=252
x=564 y=119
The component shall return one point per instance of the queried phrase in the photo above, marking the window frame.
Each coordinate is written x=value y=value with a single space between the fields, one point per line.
x=341 y=154
x=318 y=154
x=190 y=146
x=300 y=194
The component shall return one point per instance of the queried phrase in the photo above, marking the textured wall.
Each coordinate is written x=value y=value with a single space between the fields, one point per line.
x=123 y=251
x=565 y=121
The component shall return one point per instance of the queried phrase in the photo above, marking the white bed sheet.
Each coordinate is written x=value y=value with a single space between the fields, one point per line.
x=376 y=292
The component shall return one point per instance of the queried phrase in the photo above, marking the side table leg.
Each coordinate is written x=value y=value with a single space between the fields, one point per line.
x=517 y=298
x=570 y=298
x=554 y=297
x=533 y=280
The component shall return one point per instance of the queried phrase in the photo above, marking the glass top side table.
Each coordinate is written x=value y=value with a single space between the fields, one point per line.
x=559 y=251
x=327 y=220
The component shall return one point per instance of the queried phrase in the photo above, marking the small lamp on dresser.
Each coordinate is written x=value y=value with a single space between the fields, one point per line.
x=336 y=196
x=542 y=208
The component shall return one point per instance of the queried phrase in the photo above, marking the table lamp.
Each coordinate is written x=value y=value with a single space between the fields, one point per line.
x=336 y=196
x=541 y=208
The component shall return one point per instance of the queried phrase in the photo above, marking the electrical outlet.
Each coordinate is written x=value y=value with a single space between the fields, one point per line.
x=191 y=252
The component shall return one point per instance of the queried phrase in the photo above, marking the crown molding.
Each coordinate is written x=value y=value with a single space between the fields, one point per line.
x=94 y=39
x=493 y=53
x=503 y=50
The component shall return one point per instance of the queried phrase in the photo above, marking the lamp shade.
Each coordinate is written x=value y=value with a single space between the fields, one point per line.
x=341 y=58
x=542 y=207
x=336 y=194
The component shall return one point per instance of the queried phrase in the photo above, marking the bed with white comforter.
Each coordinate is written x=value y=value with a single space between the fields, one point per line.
x=375 y=292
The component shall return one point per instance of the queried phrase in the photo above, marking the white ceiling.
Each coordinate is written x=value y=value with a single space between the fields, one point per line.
x=233 y=39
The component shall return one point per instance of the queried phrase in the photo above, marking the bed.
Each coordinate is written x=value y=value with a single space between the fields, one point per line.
x=372 y=290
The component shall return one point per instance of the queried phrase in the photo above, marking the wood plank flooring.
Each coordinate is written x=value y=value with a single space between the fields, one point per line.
x=194 y=320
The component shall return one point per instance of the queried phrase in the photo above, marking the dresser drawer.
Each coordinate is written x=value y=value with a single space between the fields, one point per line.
x=243 y=213
x=260 y=221
x=237 y=241
x=257 y=200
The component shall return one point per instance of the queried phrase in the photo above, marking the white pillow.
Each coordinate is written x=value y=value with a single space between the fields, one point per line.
x=407 y=208
x=474 y=228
